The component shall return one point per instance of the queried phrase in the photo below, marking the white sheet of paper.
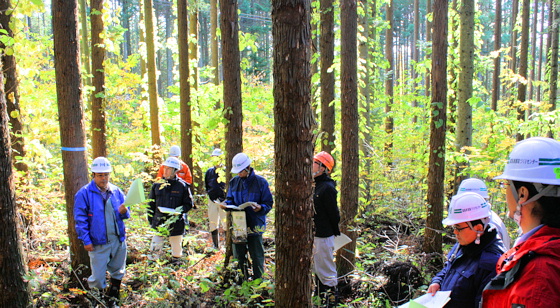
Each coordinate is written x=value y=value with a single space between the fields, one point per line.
x=428 y=301
x=341 y=240
x=168 y=210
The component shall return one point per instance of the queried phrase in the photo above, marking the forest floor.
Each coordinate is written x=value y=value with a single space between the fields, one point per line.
x=390 y=269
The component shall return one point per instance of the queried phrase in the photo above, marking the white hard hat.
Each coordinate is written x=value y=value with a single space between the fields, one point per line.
x=217 y=152
x=175 y=151
x=172 y=162
x=101 y=165
x=473 y=185
x=239 y=162
x=534 y=160
x=467 y=207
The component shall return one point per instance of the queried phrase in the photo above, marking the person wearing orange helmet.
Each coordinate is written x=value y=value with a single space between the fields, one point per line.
x=183 y=173
x=326 y=218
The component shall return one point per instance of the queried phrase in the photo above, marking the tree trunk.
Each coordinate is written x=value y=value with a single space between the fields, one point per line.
x=553 y=65
x=389 y=81
x=214 y=41
x=428 y=40
x=436 y=166
x=513 y=43
x=152 y=79
x=523 y=64
x=326 y=49
x=12 y=93
x=531 y=88
x=233 y=111
x=497 y=46
x=415 y=53
x=84 y=42
x=541 y=44
x=71 y=119
x=193 y=44
x=350 y=131
x=98 y=103
x=294 y=125
x=185 y=92
x=14 y=290
x=465 y=85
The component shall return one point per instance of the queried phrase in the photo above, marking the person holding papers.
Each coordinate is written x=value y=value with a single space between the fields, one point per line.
x=471 y=263
x=99 y=213
x=326 y=218
x=216 y=194
x=249 y=188
x=170 y=200
x=529 y=273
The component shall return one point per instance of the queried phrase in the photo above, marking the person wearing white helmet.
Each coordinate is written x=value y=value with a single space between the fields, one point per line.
x=247 y=186
x=529 y=273
x=479 y=187
x=99 y=213
x=471 y=263
x=215 y=190
x=184 y=172
x=171 y=193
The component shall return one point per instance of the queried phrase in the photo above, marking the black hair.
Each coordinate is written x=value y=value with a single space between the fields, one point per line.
x=549 y=209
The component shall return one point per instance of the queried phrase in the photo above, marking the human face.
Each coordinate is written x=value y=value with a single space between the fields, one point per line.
x=510 y=199
x=101 y=180
x=243 y=173
x=464 y=234
x=317 y=169
x=168 y=172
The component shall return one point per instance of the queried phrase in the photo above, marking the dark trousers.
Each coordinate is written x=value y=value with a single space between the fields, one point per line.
x=256 y=250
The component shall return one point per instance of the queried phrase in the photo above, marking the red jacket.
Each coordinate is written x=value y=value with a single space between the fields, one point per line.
x=531 y=277
x=184 y=173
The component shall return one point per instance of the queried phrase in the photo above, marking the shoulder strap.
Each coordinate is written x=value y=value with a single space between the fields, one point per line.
x=504 y=279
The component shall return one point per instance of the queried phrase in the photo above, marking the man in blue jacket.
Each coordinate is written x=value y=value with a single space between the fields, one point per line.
x=471 y=263
x=250 y=187
x=99 y=212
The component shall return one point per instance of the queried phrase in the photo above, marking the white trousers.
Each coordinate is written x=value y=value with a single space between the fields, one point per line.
x=175 y=241
x=215 y=215
x=323 y=261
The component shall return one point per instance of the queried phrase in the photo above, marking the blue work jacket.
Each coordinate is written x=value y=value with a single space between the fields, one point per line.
x=468 y=269
x=89 y=214
x=253 y=188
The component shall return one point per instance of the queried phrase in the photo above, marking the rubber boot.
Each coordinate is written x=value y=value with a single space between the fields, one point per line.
x=216 y=239
x=328 y=295
x=113 y=293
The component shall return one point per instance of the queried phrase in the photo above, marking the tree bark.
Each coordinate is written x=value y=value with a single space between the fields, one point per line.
x=152 y=79
x=98 y=103
x=71 y=119
x=184 y=82
x=14 y=290
x=436 y=166
x=496 y=85
x=326 y=49
x=294 y=125
x=214 y=41
x=11 y=91
x=389 y=82
x=233 y=111
x=193 y=44
x=523 y=64
x=350 y=131
x=85 y=41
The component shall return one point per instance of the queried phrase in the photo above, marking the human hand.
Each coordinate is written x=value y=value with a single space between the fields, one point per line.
x=433 y=288
x=256 y=207
x=88 y=247
x=123 y=209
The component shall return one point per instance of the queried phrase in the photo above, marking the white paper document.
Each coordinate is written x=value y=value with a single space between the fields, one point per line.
x=135 y=193
x=241 y=207
x=341 y=240
x=428 y=301
x=168 y=210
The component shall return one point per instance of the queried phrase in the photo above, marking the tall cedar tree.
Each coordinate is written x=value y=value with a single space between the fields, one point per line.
x=214 y=42
x=185 y=91
x=71 y=118
x=98 y=102
x=523 y=63
x=193 y=43
x=497 y=45
x=233 y=112
x=294 y=125
x=465 y=85
x=436 y=169
x=14 y=290
x=11 y=89
x=152 y=82
x=326 y=49
x=84 y=42
x=389 y=79
x=350 y=132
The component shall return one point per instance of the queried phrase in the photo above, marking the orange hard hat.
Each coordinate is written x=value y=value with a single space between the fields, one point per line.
x=326 y=159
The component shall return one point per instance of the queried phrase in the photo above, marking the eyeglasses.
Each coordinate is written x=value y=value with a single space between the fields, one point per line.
x=504 y=184
x=455 y=228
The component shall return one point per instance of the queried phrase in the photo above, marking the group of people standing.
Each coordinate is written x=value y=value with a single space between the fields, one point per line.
x=481 y=268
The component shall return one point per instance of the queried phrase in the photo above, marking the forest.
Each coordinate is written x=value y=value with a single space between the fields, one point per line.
x=409 y=96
